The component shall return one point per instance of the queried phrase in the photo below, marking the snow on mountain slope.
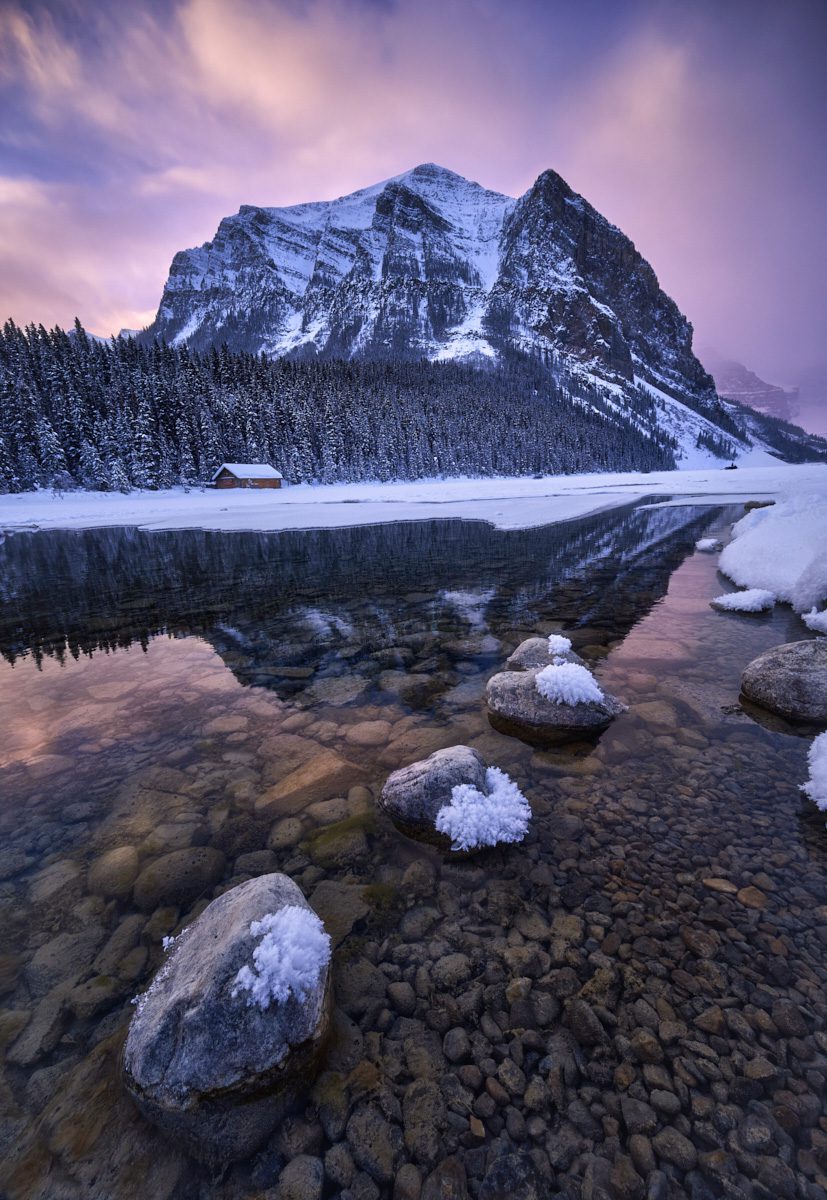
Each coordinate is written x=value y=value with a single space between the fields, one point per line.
x=431 y=265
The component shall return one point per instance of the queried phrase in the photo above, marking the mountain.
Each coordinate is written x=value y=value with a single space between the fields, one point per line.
x=736 y=382
x=431 y=265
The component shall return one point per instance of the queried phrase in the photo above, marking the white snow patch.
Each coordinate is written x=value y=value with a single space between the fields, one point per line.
x=558 y=645
x=782 y=548
x=189 y=329
x=816 y=785
x=753 y=600
x=506 y=502
x=293 y=951
x=475 y=819
x=815 y=620
x=568 y=683
x=708 y=545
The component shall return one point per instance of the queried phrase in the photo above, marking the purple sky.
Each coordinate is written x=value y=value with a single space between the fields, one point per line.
x=700 y=128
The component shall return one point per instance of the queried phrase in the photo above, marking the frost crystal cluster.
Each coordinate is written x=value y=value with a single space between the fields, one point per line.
x=752 y=601
x=816 y=785
x=293 y=951
x=568 y=683
x=817 y=621
x=557 y=644
x=473 y=819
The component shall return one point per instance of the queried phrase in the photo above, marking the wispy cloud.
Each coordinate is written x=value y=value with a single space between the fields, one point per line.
x=134 y=129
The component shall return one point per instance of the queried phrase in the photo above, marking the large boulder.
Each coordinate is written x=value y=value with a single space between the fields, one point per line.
x=534 y=652
x=517 y=708
x=790 y=680
x=413 y=795
x=204 y=1060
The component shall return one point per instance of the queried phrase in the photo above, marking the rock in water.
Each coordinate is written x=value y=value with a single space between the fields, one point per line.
x=452 y=799
x=413 y=795
x=211 y=1069
x=790 y=680
x=517 y=708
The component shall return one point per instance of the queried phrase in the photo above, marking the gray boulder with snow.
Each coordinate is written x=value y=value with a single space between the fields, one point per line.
x=517 y=708
x=790 y=680
x=535 y=652
x=453 y=800
x=413 y=795
x=224 y=1039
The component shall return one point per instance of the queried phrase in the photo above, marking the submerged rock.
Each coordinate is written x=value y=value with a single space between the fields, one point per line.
x=179 y=877
x=453 y=800
x=517 y=708
x=413 y=795
x=213 y=1069
x=790 y=680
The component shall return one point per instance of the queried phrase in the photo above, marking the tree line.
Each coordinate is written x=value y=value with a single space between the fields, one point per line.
x=78 y=412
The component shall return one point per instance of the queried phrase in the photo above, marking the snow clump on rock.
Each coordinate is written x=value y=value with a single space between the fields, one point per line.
x=816 y=785
x=474 y=819
x=558 y=645
x=568 y=683
x=293 y=951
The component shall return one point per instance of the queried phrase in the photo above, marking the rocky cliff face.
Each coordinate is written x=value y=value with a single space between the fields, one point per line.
x=432 y=265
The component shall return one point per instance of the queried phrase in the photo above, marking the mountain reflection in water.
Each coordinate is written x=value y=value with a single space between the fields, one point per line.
x=302 y=598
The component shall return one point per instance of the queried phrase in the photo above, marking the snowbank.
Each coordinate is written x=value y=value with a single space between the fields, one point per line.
x=817 y=621
x=507 y=503
x=568 y=683
x=293 y=951
x=816 y=785
x=473 y=819
x=754 y=600
x=783 y=549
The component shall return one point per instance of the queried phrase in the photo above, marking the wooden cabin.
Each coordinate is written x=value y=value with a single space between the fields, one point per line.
x=246 y=475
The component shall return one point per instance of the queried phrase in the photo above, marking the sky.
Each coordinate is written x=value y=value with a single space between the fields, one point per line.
x=698 y=126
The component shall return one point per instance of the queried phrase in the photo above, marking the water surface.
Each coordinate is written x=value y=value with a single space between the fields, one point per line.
x=162 y=691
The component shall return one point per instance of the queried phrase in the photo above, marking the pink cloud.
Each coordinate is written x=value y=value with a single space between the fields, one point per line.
x=677 y=132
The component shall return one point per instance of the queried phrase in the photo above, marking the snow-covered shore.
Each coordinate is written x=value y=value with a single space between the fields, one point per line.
x=515 y=503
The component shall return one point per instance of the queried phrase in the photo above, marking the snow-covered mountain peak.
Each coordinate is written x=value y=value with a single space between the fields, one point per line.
x=428 y=264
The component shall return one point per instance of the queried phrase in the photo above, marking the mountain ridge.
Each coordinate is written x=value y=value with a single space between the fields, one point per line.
x=430 y=265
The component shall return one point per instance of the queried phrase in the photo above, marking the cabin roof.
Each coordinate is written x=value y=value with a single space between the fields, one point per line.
x=248 y=471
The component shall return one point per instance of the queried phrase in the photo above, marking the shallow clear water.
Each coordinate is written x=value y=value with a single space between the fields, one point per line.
x=164 y=691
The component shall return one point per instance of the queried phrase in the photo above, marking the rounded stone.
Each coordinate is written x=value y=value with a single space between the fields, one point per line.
x=413 y=795
x=368 y=733
x=285 y=833
x=790 y=680
x=213 y=1071
x=671 y=1146
x=113 y=874
x=516 y=708
x=179 y=877
x=455 y=1045
x=302 y=1179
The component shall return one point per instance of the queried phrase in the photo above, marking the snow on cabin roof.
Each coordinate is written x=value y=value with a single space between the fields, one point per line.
x=248 y=471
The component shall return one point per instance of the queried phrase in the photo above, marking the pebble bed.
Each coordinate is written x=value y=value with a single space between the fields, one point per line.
x=630 y=1005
